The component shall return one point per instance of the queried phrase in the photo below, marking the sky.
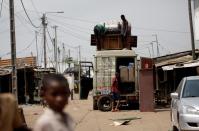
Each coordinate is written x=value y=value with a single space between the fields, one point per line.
x=168 y=19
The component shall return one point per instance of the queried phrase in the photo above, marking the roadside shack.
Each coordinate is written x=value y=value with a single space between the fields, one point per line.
x=28 y=78
x=168 y=72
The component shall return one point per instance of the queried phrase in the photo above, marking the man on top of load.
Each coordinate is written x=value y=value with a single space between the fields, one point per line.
x=100 y=31
x=124 y=27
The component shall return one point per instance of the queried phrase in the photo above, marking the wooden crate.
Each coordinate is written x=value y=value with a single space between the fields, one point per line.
x=112 y=42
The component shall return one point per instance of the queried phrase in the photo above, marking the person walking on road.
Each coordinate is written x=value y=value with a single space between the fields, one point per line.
x=55 y=91
x=115 y=92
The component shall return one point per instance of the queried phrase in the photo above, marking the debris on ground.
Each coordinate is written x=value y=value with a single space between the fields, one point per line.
x=123 y=121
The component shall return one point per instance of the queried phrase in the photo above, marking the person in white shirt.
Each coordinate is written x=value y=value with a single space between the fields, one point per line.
x=55 y=91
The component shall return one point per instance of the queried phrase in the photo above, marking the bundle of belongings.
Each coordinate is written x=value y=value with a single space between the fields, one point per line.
x=111 y=27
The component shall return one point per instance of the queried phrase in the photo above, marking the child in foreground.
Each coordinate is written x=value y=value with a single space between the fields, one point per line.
x=55 y=91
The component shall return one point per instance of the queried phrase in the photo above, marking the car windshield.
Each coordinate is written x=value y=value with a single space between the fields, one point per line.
x=191 y=89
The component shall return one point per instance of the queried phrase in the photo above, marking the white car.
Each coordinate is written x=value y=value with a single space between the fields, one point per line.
x=185 y=105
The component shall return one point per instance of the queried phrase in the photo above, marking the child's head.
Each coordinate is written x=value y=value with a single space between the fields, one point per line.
x=55 y=90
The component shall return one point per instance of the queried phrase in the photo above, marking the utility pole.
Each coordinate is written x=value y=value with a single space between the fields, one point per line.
x=44 y=23
x=36 y=33
x=80 y=90
x=55 y=49
x=58 y=59
x=79 y=53
x=63 y=57
x=191 y=29
x=149 y=51
x=152 y=49
x=69 y=58
x=156 y=40
x=13 y=49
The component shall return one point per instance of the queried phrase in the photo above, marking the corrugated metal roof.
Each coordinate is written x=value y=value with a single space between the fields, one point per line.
x=182 y=65
x=6 y=71
x=26 y=61
x=182 y=59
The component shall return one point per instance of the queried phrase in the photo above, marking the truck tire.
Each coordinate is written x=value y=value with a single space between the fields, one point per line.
x=174 y=128
x=104 y=103
x=95 y=107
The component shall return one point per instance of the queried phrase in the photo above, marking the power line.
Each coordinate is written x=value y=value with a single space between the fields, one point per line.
x=75 y=19
x=28 y=15
x=51 y=39
x=35 y=8
x=73 y=47
x=27 y=46
x=1 y=8
x=49 y=52
x=72 y=31
x=64 y=23
x=72 y=28
x=163 y=30
x=22 y=50
x=18 y=17
x=74 y=35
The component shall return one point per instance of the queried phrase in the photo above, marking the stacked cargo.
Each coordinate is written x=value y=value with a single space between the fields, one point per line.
x=131 y=72
x=106 y=71
x=108 y=36
x=127 y=73
x=124 y=76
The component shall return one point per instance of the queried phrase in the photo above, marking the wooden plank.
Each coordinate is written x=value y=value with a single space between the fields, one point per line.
x=93 y=40
x=132 y=41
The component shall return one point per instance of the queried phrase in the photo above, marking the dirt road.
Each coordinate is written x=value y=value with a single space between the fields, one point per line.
x=89 y=120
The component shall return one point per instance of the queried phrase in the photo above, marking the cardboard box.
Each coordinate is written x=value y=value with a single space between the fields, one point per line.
x=124 y=75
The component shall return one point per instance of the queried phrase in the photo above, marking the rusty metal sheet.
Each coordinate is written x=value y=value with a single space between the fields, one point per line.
x=26 y=61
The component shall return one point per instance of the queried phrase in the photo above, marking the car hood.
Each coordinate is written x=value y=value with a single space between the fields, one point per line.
x=194 y=102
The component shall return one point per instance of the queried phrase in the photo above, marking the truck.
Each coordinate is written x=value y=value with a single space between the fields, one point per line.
x=114 y=54
x=106 y=64
x=80 y=78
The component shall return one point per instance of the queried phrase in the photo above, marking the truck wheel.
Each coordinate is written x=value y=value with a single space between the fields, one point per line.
x=104 y=103
x=174 y=128
x=95 y=107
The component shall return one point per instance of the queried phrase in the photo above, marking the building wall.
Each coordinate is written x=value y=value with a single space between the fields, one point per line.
x=146 y=91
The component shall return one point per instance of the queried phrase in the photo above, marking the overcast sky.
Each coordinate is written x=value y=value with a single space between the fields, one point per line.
x=166 y=18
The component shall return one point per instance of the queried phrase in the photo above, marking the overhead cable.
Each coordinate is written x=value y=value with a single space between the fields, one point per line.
x=28 y=15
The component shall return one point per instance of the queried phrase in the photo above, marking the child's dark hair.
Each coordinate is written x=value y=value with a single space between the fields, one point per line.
x=53 y=77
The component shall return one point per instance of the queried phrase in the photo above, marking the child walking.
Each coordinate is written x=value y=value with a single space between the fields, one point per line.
x=55 y=91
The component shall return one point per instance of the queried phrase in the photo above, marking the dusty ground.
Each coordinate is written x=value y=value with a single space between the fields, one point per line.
x=89 y=120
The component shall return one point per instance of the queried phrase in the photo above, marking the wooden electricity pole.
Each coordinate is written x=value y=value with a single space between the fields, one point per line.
x=36 y=42
x=44 y=23
x=79 y=74
x=156 y=40
x=13 y=48
x=56 y=49
x=191 y=29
